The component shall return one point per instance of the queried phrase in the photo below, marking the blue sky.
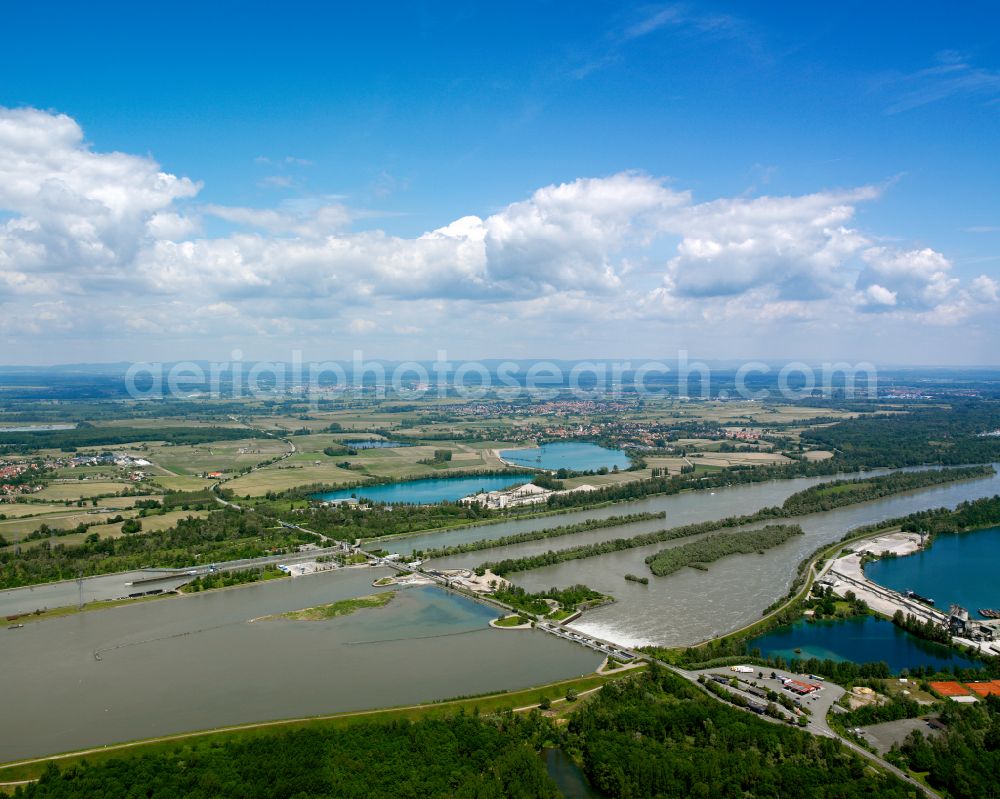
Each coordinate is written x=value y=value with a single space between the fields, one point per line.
x=376 y=124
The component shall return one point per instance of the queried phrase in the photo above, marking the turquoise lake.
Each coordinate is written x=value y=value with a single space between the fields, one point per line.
x=579 y=456
x=956 y=567
x=863 y=639
x=429 y=490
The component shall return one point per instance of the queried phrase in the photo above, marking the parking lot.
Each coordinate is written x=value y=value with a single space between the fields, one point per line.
x=883 y=736
x=751 y=685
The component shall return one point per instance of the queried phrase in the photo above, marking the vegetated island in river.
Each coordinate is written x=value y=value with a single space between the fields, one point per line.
x=714 y=547
x=344 y=607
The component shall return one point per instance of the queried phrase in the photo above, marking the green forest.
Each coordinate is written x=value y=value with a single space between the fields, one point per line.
x=349 y=522
x=649 y=735
x=464 y=757
x=659 y=736
x=946 y=435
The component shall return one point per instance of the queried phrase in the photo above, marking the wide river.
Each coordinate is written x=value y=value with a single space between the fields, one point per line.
x=690 y=605
x=196 y=662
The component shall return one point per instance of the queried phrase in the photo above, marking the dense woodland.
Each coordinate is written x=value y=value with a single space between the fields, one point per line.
x=966 y=516
x=947 y=435
x=348 y=522
x=465 y=757
x=651 y=735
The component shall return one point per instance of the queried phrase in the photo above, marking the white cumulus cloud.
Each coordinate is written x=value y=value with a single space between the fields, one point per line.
x=108 y=241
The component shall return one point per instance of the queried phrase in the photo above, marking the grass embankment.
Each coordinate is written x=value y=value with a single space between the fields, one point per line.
x=509 y=515
x=344 y=607
x=511 y=621
x=538 y=535
x=71 y=610
x=488 y=703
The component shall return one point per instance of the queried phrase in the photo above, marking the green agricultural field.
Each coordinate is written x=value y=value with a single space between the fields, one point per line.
x=218 y=456
x=311 y=465
x=89 y=472
x=672 y=465
x=16 y=509
x=726 y=459
x=611 y=478
x=289 y=474
x=81 y=489
x=14 y=530
x=162 y=422
x=125 y=502
x=174 y=482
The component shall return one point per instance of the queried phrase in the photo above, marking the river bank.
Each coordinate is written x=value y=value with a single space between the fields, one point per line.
x=128 y=674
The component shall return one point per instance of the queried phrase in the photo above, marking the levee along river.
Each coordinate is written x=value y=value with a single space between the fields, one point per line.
x=197 y=662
